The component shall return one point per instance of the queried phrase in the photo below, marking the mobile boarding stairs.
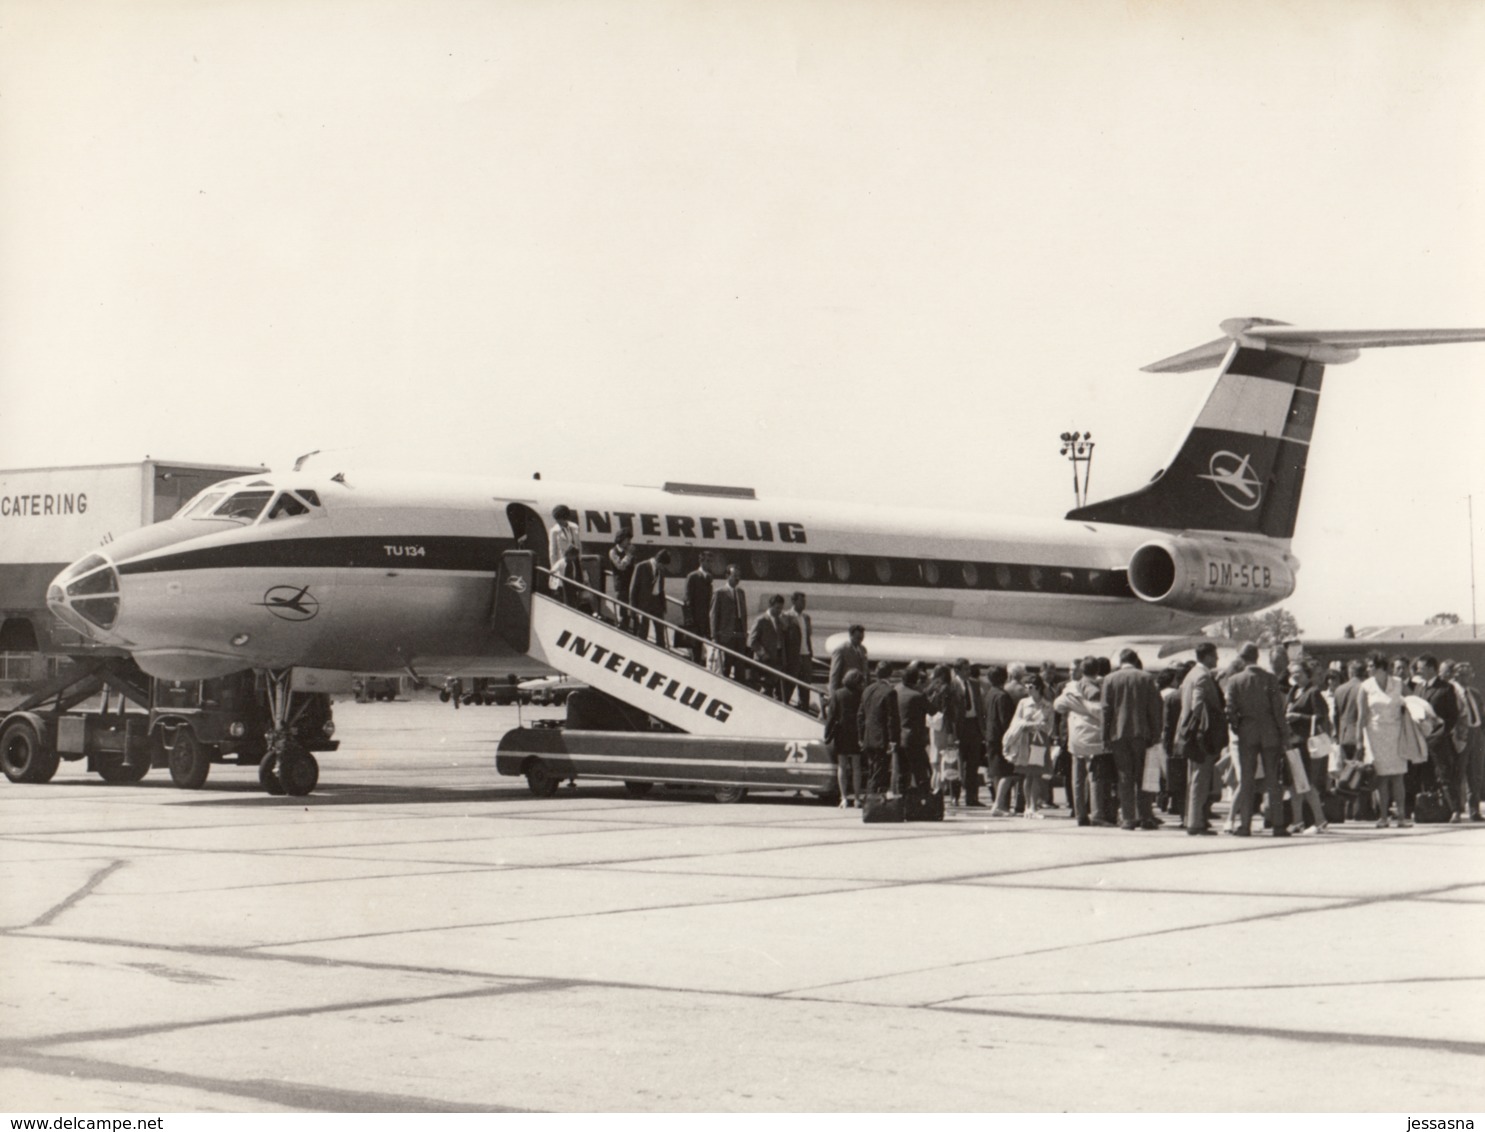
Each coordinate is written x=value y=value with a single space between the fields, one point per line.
x=648 y=714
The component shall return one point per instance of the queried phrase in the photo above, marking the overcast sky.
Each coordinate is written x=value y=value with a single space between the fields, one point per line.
x=831 y=250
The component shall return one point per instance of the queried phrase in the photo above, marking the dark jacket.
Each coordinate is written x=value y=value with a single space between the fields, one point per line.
x=647 y=587
x=913 y=711
x=1255 y=708
x=843 y=722
x=1131 y=707
x=1201 y=731
x=1000 y=708
x=729 y=614
x=877 y=721
x=697 y=614
x=1441 y=697
x=1347 y=716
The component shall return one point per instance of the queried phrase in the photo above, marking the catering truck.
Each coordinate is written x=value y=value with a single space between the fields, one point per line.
x=78 y=700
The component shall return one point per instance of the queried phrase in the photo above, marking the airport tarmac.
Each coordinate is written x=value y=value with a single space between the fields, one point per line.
x=421 y=934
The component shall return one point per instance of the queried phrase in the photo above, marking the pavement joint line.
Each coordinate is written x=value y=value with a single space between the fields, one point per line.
x=122 y=1033
x=1324 y=1037
x=293 y=1095
x=208 y=951
x=80 y=894
x=1229 y=988
x=1281 y=913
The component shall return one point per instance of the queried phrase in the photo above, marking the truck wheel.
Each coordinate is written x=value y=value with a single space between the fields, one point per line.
x=541 y=780
x=298 y=772
x=24 y=756
x=117 y=770
x=268 y=775
x=730 y=795
x=190 y=762
x=638 y=789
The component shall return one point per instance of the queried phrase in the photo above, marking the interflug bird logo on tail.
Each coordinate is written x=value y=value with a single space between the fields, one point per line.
x=1235 y=479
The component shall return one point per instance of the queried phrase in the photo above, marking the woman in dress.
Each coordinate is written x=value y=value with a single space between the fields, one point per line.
x=1308 y=716
x=943 y=742
x=1380 y=705
x=842 y=732
x=1028 y=743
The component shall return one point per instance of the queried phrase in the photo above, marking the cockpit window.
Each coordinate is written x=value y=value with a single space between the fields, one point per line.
x=285 y=506
x=310 y=497
x=245 y=505
x=201 y=505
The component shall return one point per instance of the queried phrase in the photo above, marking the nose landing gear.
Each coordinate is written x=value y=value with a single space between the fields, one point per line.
x=288 y=767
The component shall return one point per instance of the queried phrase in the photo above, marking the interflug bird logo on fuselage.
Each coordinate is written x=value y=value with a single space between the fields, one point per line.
x=1235 y=479
x=292 y=603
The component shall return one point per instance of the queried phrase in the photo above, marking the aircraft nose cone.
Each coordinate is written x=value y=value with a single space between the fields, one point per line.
x=86 y=595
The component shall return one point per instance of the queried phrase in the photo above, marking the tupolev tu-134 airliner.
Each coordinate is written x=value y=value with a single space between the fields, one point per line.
x=383 y=574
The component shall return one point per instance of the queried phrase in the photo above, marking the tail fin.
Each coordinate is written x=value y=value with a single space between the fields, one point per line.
x=1241 y=467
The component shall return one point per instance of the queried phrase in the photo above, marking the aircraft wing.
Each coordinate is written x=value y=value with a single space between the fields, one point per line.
x=899 y=648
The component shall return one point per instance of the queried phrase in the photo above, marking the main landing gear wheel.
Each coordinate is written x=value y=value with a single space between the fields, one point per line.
x=268 y=775
x=116 y=770
x=540 y=778
x=23 y=755
x=298 y=771
x=188 y=759
x=638 y=789
x=730 y=795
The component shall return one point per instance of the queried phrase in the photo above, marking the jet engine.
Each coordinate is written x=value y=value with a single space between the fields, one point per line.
x=1217 y=576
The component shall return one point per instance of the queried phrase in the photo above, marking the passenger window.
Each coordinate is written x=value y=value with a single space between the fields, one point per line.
x=883 y=567
x=245 y=505
x=759 y=563
x=286 y=506
x=971 y=574
x=930 y=573
x=842 y=567
x=806 y=566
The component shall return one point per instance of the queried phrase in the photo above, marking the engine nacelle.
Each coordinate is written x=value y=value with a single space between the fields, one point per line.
x=1210 y=575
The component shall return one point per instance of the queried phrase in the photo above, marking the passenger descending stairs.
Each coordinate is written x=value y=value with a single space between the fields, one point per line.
x=667 y=685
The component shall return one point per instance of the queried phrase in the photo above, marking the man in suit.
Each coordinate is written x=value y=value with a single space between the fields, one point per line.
x=1132 y=719
x=913 y=710
x=766 y=643
x=696 y=614
x=879 y=727
x=969 y=712
x=647 y=593
x=729 y=623
x=1347 y=717
x=851 y=654
x=799 y=649
x=1255 y=709
x=1442 y=753
x=1473 y=753
x=1201 y=733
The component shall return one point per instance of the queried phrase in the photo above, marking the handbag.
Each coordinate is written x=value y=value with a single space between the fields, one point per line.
x=1154 y=768
x=1429 y=808
x=1320 y=745
x=1298 y=779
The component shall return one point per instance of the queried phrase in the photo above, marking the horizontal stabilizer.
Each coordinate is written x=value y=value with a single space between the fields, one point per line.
x=1331 y=346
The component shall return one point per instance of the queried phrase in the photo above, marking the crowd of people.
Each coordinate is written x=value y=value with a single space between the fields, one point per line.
x=1374 y=740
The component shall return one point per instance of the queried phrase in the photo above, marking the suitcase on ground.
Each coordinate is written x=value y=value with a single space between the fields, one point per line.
x=1335 y=808
x=923 y=805
x=876 y=808
x=1429 y=808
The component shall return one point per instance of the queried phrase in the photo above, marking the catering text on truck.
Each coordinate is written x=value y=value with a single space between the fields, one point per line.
x=80 y=700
